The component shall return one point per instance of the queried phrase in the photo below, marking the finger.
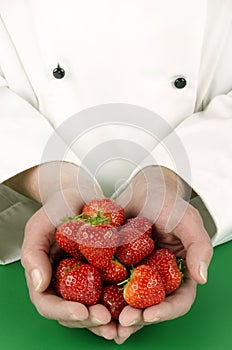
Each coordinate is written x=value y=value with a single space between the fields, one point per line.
x=39 y=234
x=196 y=241
x=175 y=305
x=98 y=315
x=130 y=316
x=108 y=331
x=125 y=332
x=71 y=324
x=53 y=307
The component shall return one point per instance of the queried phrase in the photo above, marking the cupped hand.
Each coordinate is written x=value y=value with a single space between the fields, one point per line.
x=159 y=195
x=37 y=255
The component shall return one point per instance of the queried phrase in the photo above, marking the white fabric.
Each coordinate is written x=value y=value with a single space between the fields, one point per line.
x=13 y=205
x=127 y=52
x=211 y=170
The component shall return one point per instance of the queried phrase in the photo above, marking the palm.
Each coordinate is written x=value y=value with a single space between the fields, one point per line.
x=171 y=224
x=171 y=242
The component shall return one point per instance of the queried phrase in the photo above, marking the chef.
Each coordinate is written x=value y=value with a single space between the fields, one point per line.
x=150 y=81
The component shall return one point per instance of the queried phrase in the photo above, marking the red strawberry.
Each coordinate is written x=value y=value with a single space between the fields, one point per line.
x=141 y=224
x=136 y=246
x=150 y=260
x=165 y=252
x=98 y=243
x=66 y=265
x=165 y=262
x=63 y=267
x=108 y=208
x=112 y=298
x=114 y=272
x=66 y=235
x=82 y=284
x=145 y=288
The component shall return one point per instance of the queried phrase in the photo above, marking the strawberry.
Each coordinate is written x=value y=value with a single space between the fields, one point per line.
x=112 y=298
x=66 y=235
x=165 y=262
x=165 y=252
x=98 y=243
x=108 y=208
x=135 y=248
x=63 y=267
x=141 y=224
x=114 y=272
x=150 y=260
x=145 y=287
x=66 y=265
x=82 y=284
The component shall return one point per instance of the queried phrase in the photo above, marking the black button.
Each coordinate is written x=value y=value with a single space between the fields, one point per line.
x=59 y=72
x=180 y=83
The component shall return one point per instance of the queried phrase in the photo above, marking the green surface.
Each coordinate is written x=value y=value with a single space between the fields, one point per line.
x=208 y=325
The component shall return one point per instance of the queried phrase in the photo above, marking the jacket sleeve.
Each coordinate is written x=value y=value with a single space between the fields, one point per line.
x=199 y=150
x=25 y=135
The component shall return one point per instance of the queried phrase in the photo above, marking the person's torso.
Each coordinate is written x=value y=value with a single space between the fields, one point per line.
x=113 y=52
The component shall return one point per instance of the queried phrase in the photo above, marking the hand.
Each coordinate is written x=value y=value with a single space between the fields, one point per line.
x=38 y=251
x=161 y=196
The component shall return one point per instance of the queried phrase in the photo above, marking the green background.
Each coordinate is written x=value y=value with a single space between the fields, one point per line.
x=208 y=325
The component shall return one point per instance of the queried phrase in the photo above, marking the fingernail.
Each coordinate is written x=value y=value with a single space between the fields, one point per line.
x=96 y=321
x=155 y=319
x=132 y=323
x=75 y=317
x=203 y=268
x=36 y=279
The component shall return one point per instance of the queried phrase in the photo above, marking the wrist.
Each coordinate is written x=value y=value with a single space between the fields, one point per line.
x=25 y=183
x=174 y=183
x=42 y=181
x=162 y=179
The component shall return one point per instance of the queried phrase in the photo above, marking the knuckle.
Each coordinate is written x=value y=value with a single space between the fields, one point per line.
x=26 y=257
x=209 y=250
x=186 y=309
x=193 y=212
x=38 y=308
x=33 y=299
x=68 y=324
x=41 y=312
x=28 y=227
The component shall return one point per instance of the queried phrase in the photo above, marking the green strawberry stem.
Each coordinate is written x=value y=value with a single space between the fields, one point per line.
x=123 y=283
x=82 y=216
x=95 y=220
x=181 y=268
x=98 y=219
x=116 y=260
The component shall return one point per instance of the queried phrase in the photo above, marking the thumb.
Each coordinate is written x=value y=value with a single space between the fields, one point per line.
x=197 y=244
x=39 y=235
x=198 y=257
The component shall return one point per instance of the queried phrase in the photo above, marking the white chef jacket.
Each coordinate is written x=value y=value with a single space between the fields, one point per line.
x=121 y=53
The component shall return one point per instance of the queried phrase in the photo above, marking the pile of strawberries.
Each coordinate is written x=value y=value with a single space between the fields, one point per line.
x=113 y=261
